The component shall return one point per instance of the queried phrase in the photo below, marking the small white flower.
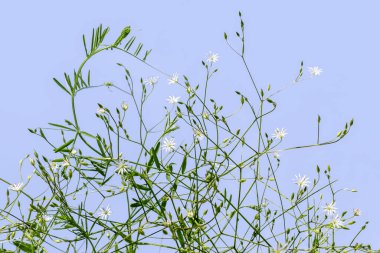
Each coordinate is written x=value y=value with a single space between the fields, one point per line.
x=276 y=154
x=264 y=203
x=198 y=134
x=189 y=90
x=16 y=187
x=173 y=99
x=280 y=248
x=169 y=145
x=105 y=212
x=190 y=214
x=357 y=212
x=124 y=106
x=279 y=134
x=46 y=217
x=101 y=111
x=121 y=168
x=205 y=115
x=167 y=223
x=73 y=152
x=66 y=163
x=330 y=209
x=336 y=222
x=32 y=161
x=173 y=79
x=315 y=71
x=152 y=80
x=212 y=57
x=302 y=181
x=54 y=166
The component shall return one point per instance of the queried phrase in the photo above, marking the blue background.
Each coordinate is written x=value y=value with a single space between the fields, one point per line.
x=42 y=39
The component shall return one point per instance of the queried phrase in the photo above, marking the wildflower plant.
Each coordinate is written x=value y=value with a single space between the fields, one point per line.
x=191 y=182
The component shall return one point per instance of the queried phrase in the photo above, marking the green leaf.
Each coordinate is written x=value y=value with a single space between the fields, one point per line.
x=56 y=150
x=153 y=153
x=180 y=238
x=184 y=163
x=60 y=85
x=25 y=247
x=60 y=126
x=141 y=187
x=140 y=203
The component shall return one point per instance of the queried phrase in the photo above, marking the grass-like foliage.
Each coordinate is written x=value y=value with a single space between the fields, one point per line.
x=197 y=180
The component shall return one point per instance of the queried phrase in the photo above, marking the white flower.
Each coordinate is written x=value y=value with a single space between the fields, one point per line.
x=264 y=203
x=280 y=248
x=279 y=134
x=16 y=187
x=121 y=168
x=54 y=166
x=189 y=90
x=357 y=212
x=124 y=106
x=66 y=163
x=152 y=80
x=167 y=223
x=302 y=181
x=336 y=222
x=205 y=115
x=315 y=71
x=212 y=57
x=32 y=161
x=105 y=212
x=173 y=99
x=198 y=134
x=101 y=110
x=169 y=145
x=173 y=79
x=276 y=154
x=330 y=209
x=46 y=217
x=190 y=214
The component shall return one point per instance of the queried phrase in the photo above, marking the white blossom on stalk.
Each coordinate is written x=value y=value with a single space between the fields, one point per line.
x=66 y=163
x=32 y=161
x=330 y=209
x=173 y=79
x=101 y=111
x=167 y=223
x=190 y=214
x=152 y=80
x=189 y=90
x=280 y=248
x=46 y=217
x=302 y=181
x=276 y=154
x=173 y=100
x=124 y=106
x=212 y=57
x=315 y=71
x=121 y=168
x=337 y=222
x=205 y=115
x=169 y=145
x=279 y=134
x=198 y=134
x=105 y=212
x=54 y=166
x=16 y=187
x=357 y=212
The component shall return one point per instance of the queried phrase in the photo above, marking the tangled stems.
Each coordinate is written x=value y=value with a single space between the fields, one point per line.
x=120 y=190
